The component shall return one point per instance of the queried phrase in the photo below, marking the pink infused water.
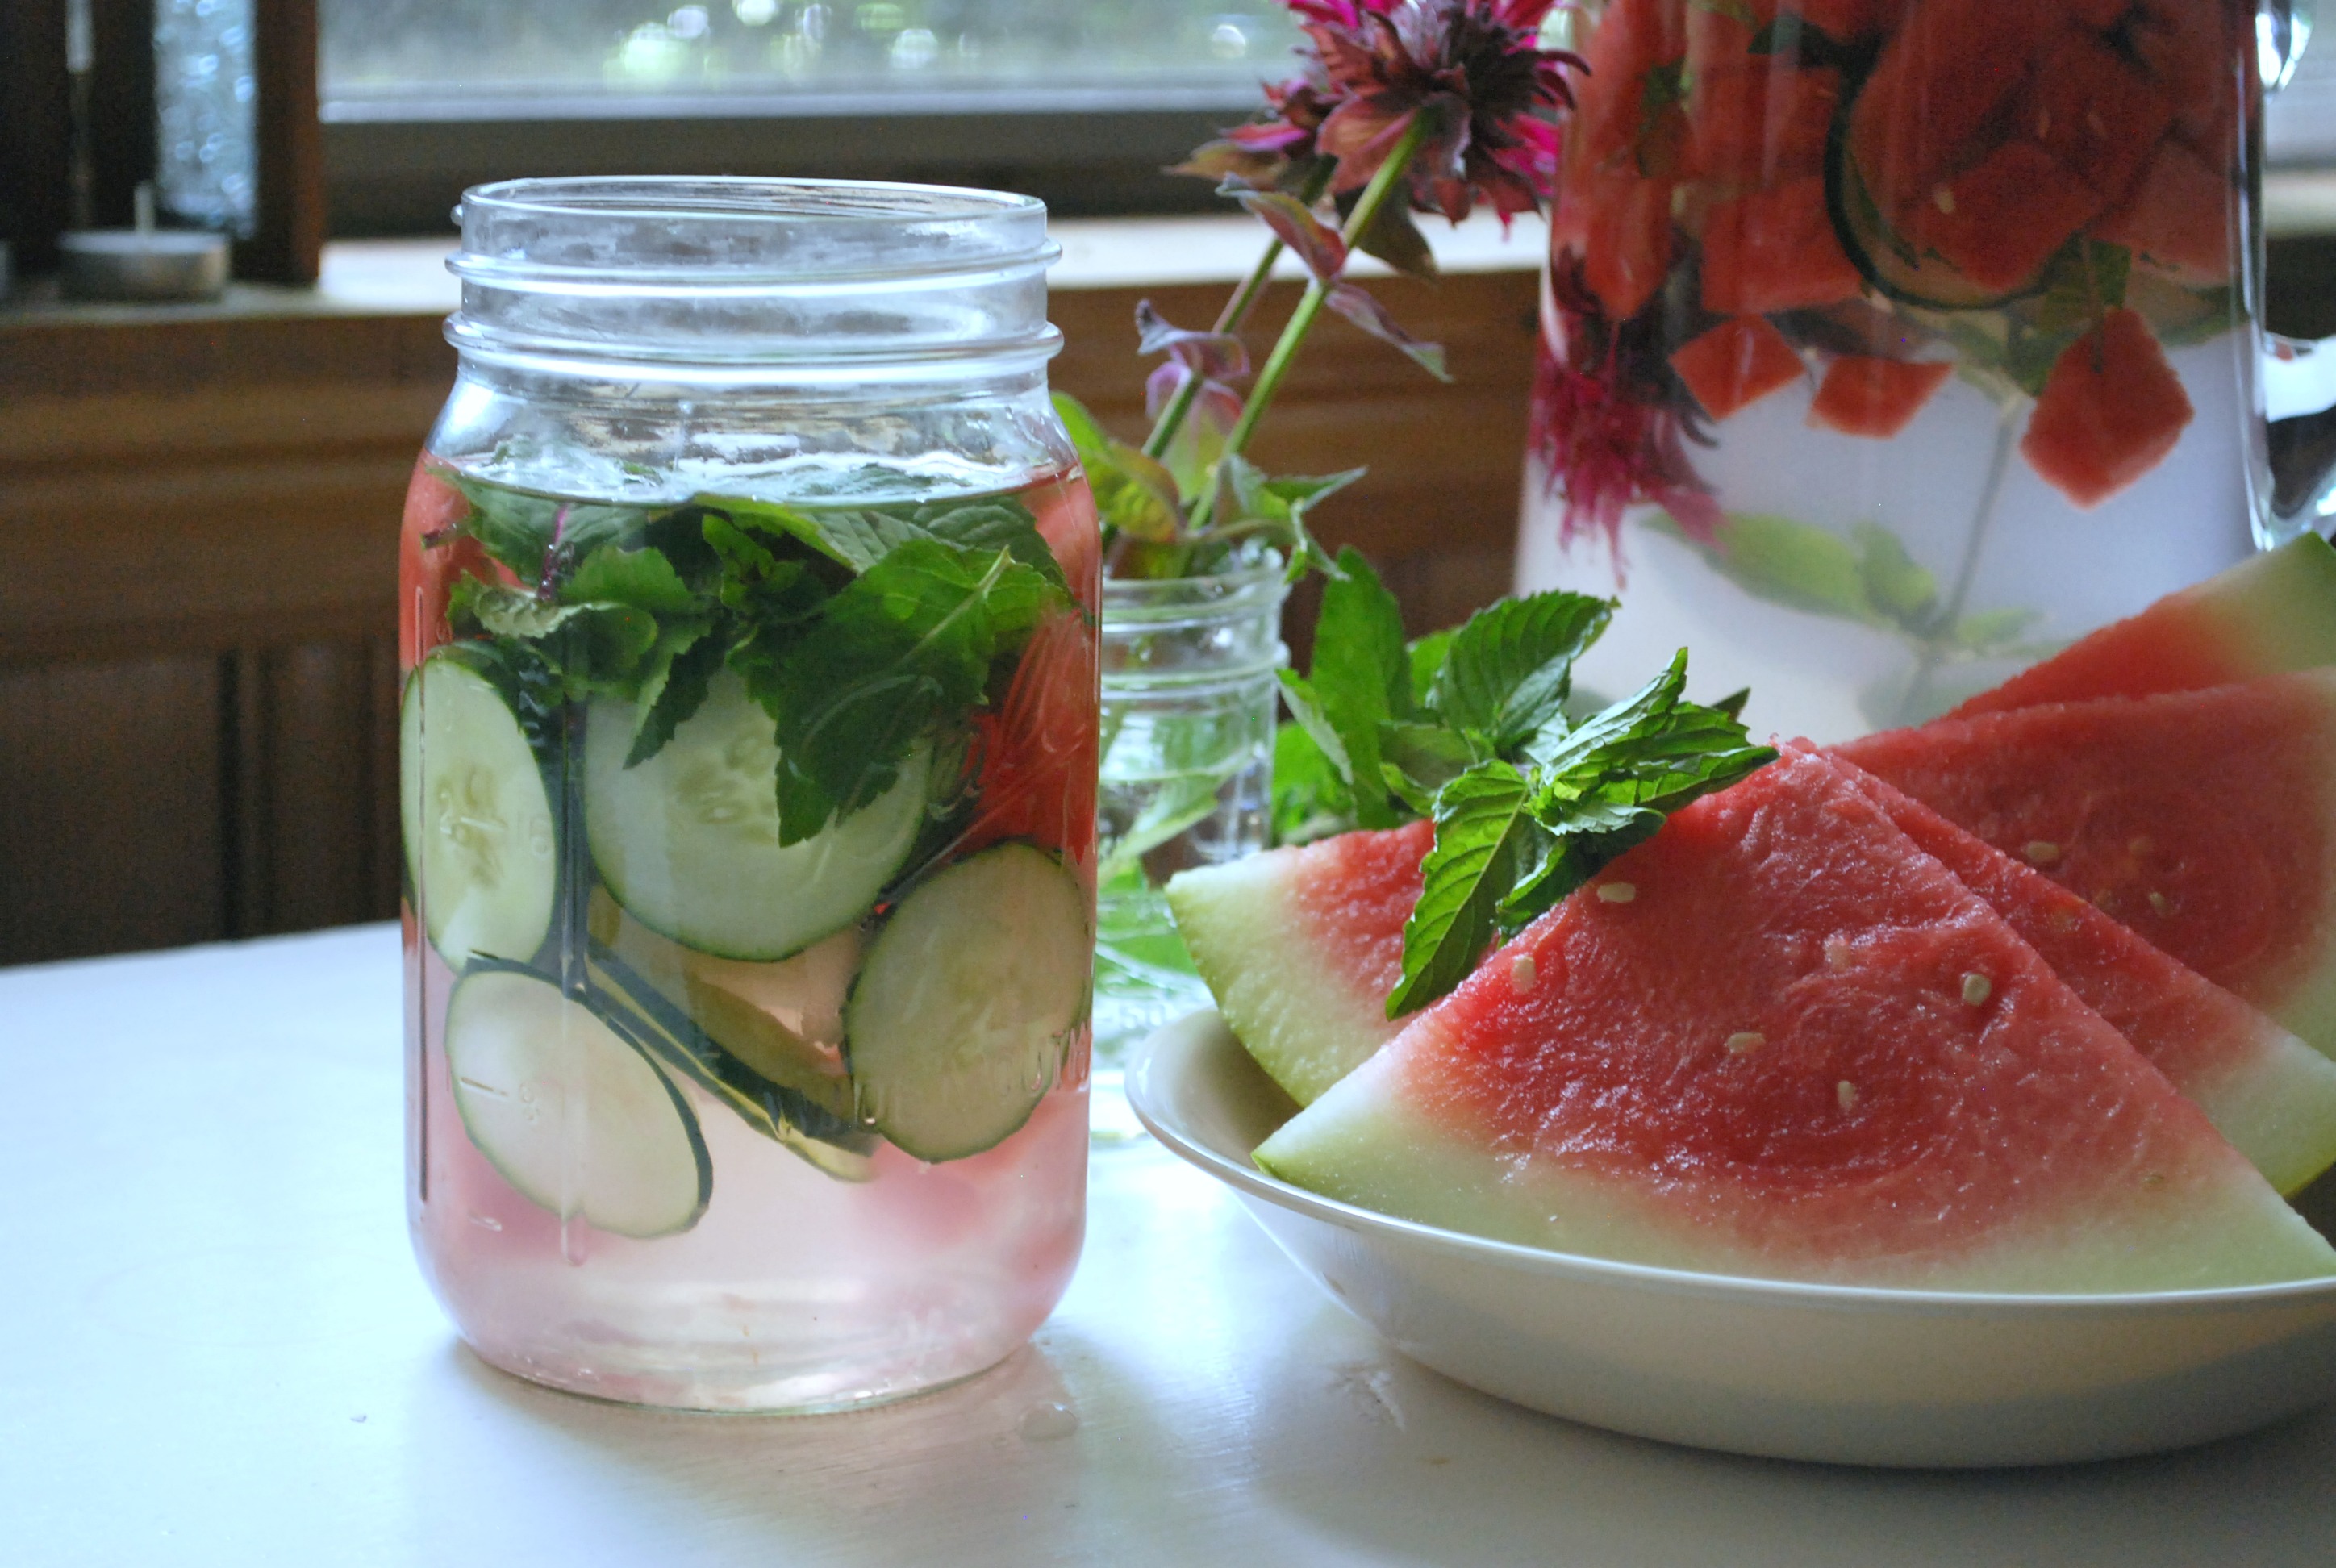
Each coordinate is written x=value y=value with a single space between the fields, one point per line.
x=749 y=932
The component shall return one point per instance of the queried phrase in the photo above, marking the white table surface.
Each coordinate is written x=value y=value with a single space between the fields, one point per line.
x=217 y=1350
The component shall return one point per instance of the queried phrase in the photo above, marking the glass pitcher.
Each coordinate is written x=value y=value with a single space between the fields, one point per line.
x=749 y=602
x=1890 y=345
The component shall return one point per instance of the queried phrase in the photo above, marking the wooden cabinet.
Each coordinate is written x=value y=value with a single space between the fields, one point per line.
x=198 y=563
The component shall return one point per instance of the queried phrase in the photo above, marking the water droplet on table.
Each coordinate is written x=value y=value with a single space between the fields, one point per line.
x=1045 y=1423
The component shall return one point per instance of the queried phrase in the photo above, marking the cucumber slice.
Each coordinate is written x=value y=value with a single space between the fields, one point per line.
x=480 y=845
x=958 y=1023
x=688 y=841
x=829 y=1142
x=578 y=1121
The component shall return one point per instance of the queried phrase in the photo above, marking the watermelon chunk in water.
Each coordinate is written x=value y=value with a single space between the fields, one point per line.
x=2271 y=614
x=1774 y=250
x=1800 y=1048
x=2270 y=1094
x=1301 y=947
x=2205 y=820
x=2109 y=411
x=1737 y=363
x=1869 y=397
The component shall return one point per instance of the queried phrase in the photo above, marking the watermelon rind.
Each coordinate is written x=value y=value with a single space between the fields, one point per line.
x=1306 y=1024
x=2272 y=614
x=1365 y=1143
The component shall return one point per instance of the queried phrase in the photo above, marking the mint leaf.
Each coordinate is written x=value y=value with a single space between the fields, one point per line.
x=1509 y=670
x=1133 y=493
x=857 y=538
x=1511 y=843
x=1482 y=826
x=641 y=579
x=1276 y=509
x=675 y=690
x=908 y=641
x=1361 y=678
x=1427 y=655
x=511 y=525
x=1310 y=800
x=1609 y=784
x=1417 y=760
x=1306 y=708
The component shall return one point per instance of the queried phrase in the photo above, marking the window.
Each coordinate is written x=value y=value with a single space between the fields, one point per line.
x=1079 y=100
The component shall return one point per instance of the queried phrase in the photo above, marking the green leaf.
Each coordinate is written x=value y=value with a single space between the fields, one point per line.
x=1395 y=239
x=1481 y=827
x=1613 y=780
x=1182 y=803
x=908 y=642
x=674 y=692
x=642 y=579
x=1896 y=585
x=1280 y=505
x=857 y=538
x=1990 y=631
x=1361 y=676
x=511 y=525
x=1306 y=708
x=1311 y=801
x=1418 y=759
x=1133 y=493
x=1427 y=655
x=1509 y=668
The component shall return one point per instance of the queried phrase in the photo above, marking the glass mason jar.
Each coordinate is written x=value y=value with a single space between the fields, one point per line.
x=749 y=594
x=1891 y=344
x=1189 y=698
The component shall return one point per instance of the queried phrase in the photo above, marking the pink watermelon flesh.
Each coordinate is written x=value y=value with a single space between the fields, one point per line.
x=1301 y=947
x=1778 y=1057
x=2270 y=1095
x=2269 y=615
x=2204 y=821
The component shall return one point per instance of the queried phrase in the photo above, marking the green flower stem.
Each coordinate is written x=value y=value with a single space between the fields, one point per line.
x=1383 y=185
x=1236 y=311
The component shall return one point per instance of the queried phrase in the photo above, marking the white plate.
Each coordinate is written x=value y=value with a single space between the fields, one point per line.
x=1758 y=1366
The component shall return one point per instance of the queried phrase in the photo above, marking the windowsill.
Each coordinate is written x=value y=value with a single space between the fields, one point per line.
x=376 y=277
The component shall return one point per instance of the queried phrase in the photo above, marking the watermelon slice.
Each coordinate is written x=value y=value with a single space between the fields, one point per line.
x=2181 y=218
x=2270 y=1095
x=1737 y=363
x=1869 y=397
x=2109 y=411
x=1302 y=948
x=2205 y=820
x=2271 y=614
x=1801 y=1050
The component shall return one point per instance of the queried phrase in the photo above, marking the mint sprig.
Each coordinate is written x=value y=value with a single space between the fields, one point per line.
x=1469 y=728
x=1512 y=842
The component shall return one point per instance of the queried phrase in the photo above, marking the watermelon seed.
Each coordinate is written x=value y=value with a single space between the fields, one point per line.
x=1522 y=975
x=2152 y=1178
x=1618 y=892
x=2161 y=903
x=2063 y=920
x=1837 y=953
x=1846 y=1093
x=1977 y=988
x=1945 y=199
x=1745 y=1042
x=2042 y=851
x=2140 y=846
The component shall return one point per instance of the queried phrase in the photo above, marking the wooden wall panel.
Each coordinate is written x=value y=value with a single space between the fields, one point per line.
x=110 y=807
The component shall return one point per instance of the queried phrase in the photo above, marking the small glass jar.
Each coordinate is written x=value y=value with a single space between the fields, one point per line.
x=1189 y=699
x=749 y=592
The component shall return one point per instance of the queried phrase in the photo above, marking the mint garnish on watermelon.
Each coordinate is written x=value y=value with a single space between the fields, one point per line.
x=1470 y=728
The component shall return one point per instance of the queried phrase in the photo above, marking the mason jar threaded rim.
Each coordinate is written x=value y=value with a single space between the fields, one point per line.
x=1237 y=613
x=746 y=272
